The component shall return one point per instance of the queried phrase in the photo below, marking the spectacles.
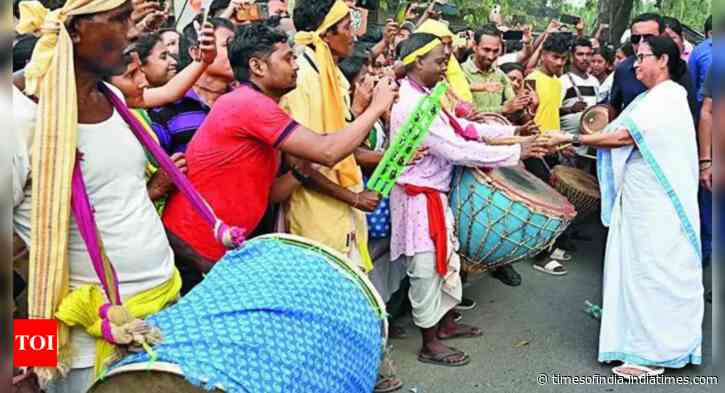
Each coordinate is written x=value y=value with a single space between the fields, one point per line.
x=636 y=38
x=641 y=56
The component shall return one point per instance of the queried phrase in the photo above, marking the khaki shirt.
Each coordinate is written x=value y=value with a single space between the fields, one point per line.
x=488 y=101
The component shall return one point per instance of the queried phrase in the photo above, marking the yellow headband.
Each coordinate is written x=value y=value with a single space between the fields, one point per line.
x=333 y=102
x=338 y=11
x=420 y=52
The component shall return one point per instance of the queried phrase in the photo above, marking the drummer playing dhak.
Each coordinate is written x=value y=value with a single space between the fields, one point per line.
x=422 y=222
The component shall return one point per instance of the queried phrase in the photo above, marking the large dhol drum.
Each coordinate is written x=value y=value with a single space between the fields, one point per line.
x=281 y=314
x=505 y=215
x=579 y=187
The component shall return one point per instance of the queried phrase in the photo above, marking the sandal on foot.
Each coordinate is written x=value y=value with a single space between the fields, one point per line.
x=462 y=331
x=444 y=358
x=560 y=255
x=552 y=267
x=387 y=384
x=645 y=371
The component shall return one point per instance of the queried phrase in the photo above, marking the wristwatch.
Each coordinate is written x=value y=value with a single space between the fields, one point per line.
x=305 y=180
x=576 y=140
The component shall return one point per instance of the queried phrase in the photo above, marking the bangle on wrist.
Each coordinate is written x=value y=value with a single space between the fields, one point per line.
x=704 y=160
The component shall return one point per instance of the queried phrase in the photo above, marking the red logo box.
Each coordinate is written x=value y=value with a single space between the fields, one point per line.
x=35 y=343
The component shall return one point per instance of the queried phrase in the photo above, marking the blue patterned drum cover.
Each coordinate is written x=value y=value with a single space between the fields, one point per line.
x=379 y=221
x=505 y=215
x=281 y=314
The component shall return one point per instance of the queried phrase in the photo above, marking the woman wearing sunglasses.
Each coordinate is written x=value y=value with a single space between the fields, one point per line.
x=648 y=170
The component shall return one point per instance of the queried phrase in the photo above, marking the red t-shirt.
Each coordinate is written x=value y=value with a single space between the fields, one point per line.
x=232 y=161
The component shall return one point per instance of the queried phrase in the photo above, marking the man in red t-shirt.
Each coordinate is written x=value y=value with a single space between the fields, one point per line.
x=233 y=158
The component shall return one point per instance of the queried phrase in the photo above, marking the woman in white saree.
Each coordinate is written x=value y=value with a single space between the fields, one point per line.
x=648 y=172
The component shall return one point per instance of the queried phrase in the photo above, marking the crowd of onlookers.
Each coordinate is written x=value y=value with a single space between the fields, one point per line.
x=175 y=75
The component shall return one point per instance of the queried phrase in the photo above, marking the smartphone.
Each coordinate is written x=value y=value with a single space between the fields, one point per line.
x=513 y=35
x=447 y=10
x=569 y=19
x=531 y=84
x=253 y=12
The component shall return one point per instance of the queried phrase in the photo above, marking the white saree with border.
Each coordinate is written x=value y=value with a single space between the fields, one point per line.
x=653 y=302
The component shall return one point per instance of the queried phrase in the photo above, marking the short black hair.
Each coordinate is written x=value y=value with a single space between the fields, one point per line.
x=558 y=43
x=413 y=43
x=581 y=41
x=218 y=5
x=508 y=67
x=664 y=45
x=252 y=40
x=489 y=29
x=673 y=24
x=708 y=24
x=649 y=17
x=351 y=66
x=222 y=23
x=185 y=46
x=627 y=48
x=309 y=14
x=23 y=51
x=514 y=46
x=145 y=45
x=606 y=53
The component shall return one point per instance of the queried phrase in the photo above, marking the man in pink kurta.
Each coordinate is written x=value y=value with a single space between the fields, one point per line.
x=436 y=287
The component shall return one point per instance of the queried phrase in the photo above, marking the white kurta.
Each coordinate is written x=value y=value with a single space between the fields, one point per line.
x=653 y=303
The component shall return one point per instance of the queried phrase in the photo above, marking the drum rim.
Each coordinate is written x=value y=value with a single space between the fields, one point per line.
x=171 y=368
x=346 y=267
x=566 y=212
x=560 y=170
x=583 y=128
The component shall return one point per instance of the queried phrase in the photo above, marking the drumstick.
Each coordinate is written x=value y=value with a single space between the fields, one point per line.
x=507 y=140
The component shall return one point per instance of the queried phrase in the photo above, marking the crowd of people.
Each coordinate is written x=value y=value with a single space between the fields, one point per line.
x=278 y=124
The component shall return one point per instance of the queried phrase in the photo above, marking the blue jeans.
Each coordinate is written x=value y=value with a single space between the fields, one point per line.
x=706 y=221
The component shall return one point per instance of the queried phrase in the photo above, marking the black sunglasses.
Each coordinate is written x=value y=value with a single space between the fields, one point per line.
x=636 y=38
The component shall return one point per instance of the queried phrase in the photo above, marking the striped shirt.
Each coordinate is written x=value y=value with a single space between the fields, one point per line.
x=175 y=124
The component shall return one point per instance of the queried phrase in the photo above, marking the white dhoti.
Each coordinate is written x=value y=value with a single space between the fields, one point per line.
x=431 y=295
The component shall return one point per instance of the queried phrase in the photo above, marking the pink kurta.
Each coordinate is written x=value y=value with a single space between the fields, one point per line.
x=409 y=216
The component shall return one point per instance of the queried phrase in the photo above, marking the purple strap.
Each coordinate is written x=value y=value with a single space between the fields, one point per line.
x=106 y=331
x=231 y=237
x=81 y=207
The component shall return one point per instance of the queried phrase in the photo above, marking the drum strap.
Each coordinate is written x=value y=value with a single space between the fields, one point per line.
x=84 y=214
x=436 y=224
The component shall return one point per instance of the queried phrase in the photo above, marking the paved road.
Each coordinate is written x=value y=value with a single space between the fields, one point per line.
x=546 y=312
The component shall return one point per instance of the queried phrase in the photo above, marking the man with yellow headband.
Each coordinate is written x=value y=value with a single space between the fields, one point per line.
x=454 y=73
x=321 y=103
x=80 y=45
x=422 y=234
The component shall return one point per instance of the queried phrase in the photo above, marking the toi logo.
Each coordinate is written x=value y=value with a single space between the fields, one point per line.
x=35 y=343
